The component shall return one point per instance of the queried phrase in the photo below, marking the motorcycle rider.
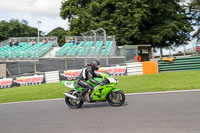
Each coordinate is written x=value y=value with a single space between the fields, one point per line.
x=88 y=73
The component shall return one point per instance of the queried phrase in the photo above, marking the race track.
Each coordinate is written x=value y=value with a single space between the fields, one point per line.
x=151 y=113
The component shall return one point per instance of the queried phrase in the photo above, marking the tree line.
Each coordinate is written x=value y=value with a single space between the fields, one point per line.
x=16 y=28
x=160 y=23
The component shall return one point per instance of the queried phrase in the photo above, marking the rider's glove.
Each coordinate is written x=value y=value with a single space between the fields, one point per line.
x=101 y=83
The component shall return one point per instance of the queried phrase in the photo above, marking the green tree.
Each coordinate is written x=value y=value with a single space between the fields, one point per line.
x=4 y=33
x=15 y=28
x=156 y=22
x=60 y=33
x=194 y=7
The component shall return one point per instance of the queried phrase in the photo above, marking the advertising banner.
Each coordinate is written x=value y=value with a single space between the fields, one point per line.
x=73 y=74
x=6 y=82
x=70 y=74
x=66 y=75
x=116 y=71
x=29 y=80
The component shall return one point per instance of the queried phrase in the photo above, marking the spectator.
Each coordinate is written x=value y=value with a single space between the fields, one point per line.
x=71 y=40
x=77 y=42
x=67 y=41
x=44 y=41
x=32 y=42
x=16 y=43
x=51 y=41
x=10 y=43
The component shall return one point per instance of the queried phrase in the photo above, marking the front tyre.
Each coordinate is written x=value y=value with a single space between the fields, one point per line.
x=116 y=98
x=73 y=104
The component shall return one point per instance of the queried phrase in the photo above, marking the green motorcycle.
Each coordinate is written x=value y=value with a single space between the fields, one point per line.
x=104 y=92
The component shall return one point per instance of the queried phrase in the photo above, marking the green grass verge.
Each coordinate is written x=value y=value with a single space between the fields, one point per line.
x=129 y=84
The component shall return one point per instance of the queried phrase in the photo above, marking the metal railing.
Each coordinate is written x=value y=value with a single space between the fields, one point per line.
x=94 y=36
x=4 y=43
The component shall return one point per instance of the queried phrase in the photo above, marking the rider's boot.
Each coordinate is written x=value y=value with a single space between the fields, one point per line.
x=82 y=94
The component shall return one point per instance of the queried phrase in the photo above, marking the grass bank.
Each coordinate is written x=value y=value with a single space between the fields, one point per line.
x=129 y=84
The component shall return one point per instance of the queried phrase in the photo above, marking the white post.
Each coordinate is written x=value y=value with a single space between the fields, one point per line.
x=152 y=53
x=193 y=49
x=169 y=51
x=38 y=22
x=184 y=51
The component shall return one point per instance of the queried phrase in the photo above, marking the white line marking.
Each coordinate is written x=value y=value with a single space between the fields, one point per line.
x=163 y=92
x=34 y=101
x=129 y=94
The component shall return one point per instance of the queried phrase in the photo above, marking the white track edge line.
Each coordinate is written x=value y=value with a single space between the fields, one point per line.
x=128 y=94
x=33 y=101
x=163 y=92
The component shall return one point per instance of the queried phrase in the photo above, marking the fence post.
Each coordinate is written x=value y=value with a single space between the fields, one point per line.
x=66 y=62
x=152 y=53
x=184 y=50
x=35 y=67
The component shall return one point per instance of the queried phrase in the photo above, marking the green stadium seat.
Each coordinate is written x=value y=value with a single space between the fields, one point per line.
x=107 y=50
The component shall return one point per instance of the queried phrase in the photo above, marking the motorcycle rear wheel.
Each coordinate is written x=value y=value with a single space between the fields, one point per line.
x=116 y=99
x=73 y=104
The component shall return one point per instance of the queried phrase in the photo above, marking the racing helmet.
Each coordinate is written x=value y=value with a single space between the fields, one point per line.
x=95 y=64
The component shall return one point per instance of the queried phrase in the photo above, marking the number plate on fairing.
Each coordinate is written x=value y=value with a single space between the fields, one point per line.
x=69 y=84
x=113 y=80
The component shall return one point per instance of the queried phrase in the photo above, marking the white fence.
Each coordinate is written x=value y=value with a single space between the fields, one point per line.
x=52 y=77
x=134 y=68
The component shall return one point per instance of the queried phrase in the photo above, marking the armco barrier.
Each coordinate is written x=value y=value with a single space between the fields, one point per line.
x=52 y=77
x=150 y=67
x=180 y=64
x=135 y=68
x=140 y=68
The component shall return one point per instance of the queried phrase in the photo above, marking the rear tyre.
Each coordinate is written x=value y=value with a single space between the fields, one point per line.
x=116 y=98
x=73 y=104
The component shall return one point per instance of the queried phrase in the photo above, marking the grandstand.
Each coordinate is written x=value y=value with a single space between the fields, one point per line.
x=42 y=57
x=88 y=48
x=25 y=50
x=96 y=45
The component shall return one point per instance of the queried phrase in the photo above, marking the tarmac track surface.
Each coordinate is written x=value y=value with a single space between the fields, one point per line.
x=152 y=113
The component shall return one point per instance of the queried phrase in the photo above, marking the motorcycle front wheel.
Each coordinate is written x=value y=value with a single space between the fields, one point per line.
x=116 y=98
x=73 y=104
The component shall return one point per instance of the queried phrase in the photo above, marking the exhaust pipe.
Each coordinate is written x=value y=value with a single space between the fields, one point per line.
x=70 y=96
